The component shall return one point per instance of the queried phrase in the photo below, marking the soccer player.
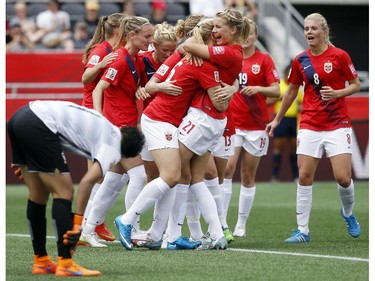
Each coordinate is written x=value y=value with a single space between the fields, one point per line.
x=325 y=125
x=97 y=55
x=119 y=84
x=40 y=132
x=258 y=80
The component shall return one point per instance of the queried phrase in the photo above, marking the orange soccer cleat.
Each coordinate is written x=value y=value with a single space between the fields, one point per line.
x=104 y=233
x=43 y=265
x=67 y=267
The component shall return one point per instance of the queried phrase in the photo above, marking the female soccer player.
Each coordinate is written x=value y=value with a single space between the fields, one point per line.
x=325 y=125
x=258 y=80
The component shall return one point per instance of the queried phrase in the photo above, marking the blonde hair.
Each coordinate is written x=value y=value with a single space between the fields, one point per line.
x=323 y=24
x=234 y=19
x=105 y=29
x=184 y=27
x=203 y=30
x=127 y=25
x=251 y=22
x=164 y=32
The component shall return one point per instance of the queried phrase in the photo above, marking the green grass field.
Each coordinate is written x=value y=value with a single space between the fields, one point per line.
x=331 y=255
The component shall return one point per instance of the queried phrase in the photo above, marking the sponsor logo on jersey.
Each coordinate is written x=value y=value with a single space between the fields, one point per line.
x=276 y=74
x=168 y=136
x=111 y=73
x=218 y=50
x=352 y=69
x=328 y=67
x=162 y=69
x=216 y=76
x=255 y=68
x=94 y=60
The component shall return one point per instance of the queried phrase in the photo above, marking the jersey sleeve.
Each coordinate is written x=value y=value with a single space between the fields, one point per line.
x=208 y=75
x=347 y=66
x=221 y=55
x=164 y=70
x=295 y=74
x=115 y=71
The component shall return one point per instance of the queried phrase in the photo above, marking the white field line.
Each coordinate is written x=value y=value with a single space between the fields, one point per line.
x=246 y=250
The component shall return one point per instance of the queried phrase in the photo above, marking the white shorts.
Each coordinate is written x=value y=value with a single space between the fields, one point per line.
x=315 y=143
x=199 y=131
x=224 y=148
x=146 y=154
x=254 y=142
x=158 y=134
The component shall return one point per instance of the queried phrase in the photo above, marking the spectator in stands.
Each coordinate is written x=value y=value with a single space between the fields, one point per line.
x=80 y=36
x=158 y=11
x=92 y=16
x=128 y=8
x=206 y=8
x=54 y=25
x=16 y=40
x=28 y=26
x=246 y=7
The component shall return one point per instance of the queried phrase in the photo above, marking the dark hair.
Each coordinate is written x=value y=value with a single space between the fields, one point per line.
x=132 y=141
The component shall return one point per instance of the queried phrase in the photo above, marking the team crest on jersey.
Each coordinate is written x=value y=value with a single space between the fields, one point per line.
x=94 y=60
x=255 y=68
x=168 y=136
x=328 y=67
x=217 y=50
x=216 y=76
x=111 y=73
x=162 y=69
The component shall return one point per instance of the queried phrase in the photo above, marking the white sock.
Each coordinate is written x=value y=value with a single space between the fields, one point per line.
x=206 y=204
x=347 y=198
x=246 y=200
x=227 y=194
x=103 y=200
x=217 y=193
x=89 y=203
x=178 y=212
x=137 y=179
x=151 y=193
x=193 y=217
x=304 y=204
x=161 y=214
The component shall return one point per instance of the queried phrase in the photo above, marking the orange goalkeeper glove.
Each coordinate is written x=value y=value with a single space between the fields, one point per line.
x=17 y=171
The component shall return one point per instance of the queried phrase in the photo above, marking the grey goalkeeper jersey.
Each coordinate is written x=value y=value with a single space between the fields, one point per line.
x=81 y=130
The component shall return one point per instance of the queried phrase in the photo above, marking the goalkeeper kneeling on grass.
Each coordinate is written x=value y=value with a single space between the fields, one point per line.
x=40 y=132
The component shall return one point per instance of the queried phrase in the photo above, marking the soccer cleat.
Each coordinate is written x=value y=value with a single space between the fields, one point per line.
x=228 y=235
x=183 y=243
x=298 y=237
x=67 y=267
x=104 y=233
x=354 y=229
x=239 y=231
x=138 y=237
x=92 y=240
x=151 y=244
x=125 y=231
x=43 y=265
x=212 y=244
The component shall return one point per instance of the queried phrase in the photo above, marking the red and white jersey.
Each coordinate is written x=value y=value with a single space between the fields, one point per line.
x=149 y=70
x=250 y=112
x=119 y=98
x=191 y=79
x=96 y=55
x=332 y=68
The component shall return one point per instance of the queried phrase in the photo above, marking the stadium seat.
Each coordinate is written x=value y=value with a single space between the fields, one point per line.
x=107 y=9
x=76 y=11
x=9 y=10
x=142 y=9
x=35 y=8
x=175 y=11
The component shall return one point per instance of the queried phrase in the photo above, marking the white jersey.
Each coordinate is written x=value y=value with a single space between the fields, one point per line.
x=81 y=130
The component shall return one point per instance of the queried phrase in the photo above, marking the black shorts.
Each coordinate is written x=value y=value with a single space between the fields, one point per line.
x=286 y=128
x=34 y=145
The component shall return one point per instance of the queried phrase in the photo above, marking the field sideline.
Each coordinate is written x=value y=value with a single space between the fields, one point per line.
x=331 y=255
